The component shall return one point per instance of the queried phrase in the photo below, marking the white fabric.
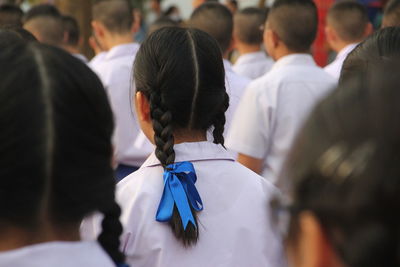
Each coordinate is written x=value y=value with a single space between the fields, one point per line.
x=235 y=228
x=115 y=70
x=57 y=254
x=274 y=107
x=335 y=67
x=253 y=65
x=235 y=86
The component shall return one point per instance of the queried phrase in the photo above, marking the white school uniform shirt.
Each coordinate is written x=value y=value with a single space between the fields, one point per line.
x=235 y=86
x=57 y=254
x=115 y=70
x=235 y=228
x=253 y=65
x=274 y=107
x=335 y=67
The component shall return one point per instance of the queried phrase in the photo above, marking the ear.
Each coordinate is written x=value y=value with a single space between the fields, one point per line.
x=312 y=247
x=232 y=45
x=142 y=107
x=135 y=22
x=98 y=28
x=331 y=36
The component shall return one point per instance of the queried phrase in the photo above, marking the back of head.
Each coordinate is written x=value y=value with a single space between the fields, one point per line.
x=391 y=15
x=216 y=20
x=248 y=25
x=41 y=11
x=56 y=149
x=44 y=22
x=162 y=23
x=383 y=45
x=71 y=29
x=181 y=73
x=115 y=15
x=295 y=22
x=10 y=15
x=344 y=168
x=349 y=19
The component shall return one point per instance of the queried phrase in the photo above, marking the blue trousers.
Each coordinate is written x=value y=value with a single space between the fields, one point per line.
x=124 y=170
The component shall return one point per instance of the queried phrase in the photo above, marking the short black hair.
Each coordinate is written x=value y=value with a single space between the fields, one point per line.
x=216 y=20
x=43 y=10
x=248 y=24
x=349 y=19
x=295 y=22
x=10 y=15
x=116 y=15
x=71 y=28
x=391 y=15
x=47 y=29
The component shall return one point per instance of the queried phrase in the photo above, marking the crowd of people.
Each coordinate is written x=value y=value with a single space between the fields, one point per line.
x=217 y=141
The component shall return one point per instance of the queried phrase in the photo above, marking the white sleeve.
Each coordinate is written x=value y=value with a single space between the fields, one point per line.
x=250 y=126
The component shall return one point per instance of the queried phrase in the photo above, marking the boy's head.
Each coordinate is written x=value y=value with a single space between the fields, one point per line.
x=291 y=27
x=248 y=26
x=112 y=21
x=216 y=20
x=71 y=32
x=347 y=23
x=44 y=22
x=391 y=15
x=10 y=15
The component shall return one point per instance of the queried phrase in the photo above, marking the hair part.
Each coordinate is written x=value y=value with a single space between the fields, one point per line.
x=216 y=20
x=295 y=22
x=349 y=19
x=115 y=15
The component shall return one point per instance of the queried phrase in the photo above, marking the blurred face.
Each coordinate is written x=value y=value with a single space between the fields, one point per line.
x=197 y=3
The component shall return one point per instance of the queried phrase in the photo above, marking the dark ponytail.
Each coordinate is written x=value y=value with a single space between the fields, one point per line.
x=181 y=73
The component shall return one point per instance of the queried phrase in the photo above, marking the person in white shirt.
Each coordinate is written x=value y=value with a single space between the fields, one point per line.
x=347 y=24
x=248 y=35
x=275 y=105
x=213 y=211
x=72 y=37
x=112 y=25
x=55 y=161
x=216 y=20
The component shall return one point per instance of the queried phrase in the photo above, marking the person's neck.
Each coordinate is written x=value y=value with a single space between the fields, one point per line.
x=247 y=49
x=340 y=46
x=116 y=40
x=71 y=49
x=189 y=136
x=14 y=238
x=283 y=52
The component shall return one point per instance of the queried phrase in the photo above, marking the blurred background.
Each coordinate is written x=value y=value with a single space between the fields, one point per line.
x=146 y=11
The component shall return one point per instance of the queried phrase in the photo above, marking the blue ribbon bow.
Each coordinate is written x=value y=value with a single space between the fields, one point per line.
x=179 y=190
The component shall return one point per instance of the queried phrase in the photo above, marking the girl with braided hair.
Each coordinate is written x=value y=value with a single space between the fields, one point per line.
x=55 y=161
x=191 y=204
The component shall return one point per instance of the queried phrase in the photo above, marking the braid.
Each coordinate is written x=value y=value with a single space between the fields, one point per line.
x=112 y=229
x=164 y=141
x=219 y=122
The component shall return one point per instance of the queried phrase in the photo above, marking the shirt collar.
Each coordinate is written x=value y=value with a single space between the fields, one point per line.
x=194 y=151
x=295 y=59
x=251 y=57
x=346 y=50
x=122 y=50
x=227 y=66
